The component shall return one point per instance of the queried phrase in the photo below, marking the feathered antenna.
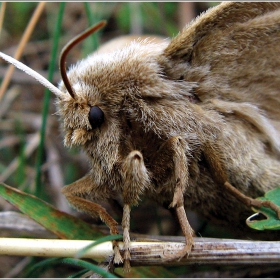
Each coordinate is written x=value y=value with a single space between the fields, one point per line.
x=68 y=47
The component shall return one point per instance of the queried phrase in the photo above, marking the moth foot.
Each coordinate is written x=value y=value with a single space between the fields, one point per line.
x=126 y=266
x=187 y=249
x=126 y=256
x=117 y=255
x=182 y=253
x=272 y=206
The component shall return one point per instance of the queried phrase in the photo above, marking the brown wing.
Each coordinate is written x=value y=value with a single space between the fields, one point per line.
x=237 y=48
x=233 y=53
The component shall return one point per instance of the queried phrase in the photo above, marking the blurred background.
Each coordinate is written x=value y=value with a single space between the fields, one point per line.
x=27 y=111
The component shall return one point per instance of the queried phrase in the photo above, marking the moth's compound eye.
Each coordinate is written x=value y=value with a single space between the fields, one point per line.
x=95 y=117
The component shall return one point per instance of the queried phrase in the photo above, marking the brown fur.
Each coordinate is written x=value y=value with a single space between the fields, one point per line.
x=182 y=119
x=215 y=88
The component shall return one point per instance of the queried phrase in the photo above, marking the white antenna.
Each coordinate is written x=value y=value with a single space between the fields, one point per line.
x=33 y=74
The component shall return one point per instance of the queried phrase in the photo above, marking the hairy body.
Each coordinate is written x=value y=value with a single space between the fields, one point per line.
x=193 y=122
x=216 y=87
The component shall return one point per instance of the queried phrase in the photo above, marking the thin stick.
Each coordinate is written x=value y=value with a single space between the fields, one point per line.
x=2 y=14
x=28 y=31
x=205 y=251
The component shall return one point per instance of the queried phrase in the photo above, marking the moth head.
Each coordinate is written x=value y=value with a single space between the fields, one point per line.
x=89 y=109
x=79 y=115
x=118 y=88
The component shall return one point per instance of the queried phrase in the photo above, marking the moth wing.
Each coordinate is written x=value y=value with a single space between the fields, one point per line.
x=233 y=52
x=236 y=45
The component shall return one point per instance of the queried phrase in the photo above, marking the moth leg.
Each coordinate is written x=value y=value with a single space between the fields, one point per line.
x=135 y=181
x=181 y=175
x=220 y=177
x=251 y=201
x=188 y=232
x=74 y=193
x=126 y=237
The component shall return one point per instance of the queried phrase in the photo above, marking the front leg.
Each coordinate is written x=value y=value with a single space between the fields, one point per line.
x=135 y=181
x=74 y=194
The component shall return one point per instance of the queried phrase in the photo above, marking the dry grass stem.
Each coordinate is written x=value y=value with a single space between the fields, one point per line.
x=25 y=37
x=17 y=268
x=2 y=13
x=6 y=103
x=205 y=251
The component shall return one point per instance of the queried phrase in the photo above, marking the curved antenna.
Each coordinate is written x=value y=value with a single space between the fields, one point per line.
x=68 y=47
x=33 y=74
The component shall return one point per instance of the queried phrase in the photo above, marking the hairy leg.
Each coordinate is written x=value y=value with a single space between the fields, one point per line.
x=135 y=180
x=218 y=172
x=73 y=193
x=173 y=154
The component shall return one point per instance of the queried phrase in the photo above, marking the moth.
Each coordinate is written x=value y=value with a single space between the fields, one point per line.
x=192 y=123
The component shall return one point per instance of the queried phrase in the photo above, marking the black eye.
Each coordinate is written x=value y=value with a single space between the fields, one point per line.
x=95 y=117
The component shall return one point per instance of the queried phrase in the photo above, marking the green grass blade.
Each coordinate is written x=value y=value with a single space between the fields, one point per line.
x=79 y=274
x=91 y=22
x=42 y=266
x=99 y=241
x=20 y=174
x=62 y=224
x=35 y=270
x=89 y=266
x=46 y=101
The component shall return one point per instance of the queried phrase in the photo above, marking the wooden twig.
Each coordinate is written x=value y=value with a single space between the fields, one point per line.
x=212 y=251
x=206 y=251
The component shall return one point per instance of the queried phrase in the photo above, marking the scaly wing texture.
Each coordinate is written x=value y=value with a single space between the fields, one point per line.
x=238 y=45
